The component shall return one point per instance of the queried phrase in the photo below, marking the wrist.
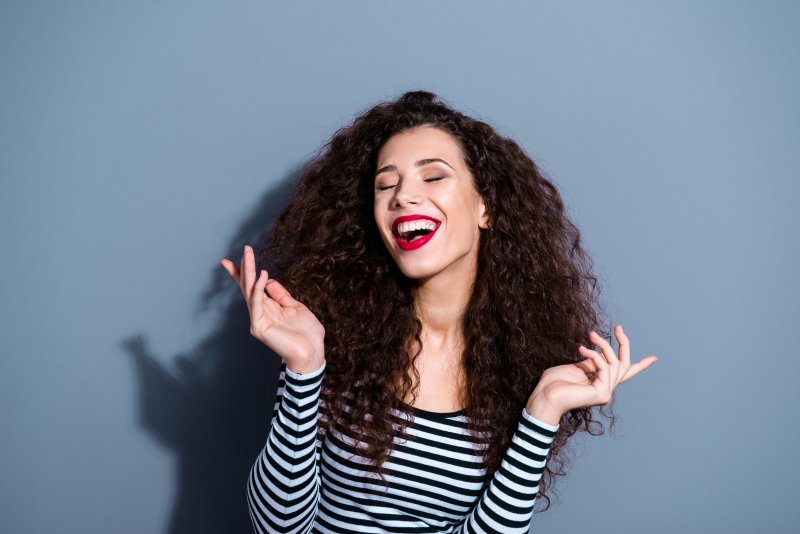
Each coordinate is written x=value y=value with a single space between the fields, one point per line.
x=303 y=368
x=540 y=408
x=306 y=365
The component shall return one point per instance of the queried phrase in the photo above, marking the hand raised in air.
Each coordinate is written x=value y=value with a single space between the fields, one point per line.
x=569 y=386
x=279 y=321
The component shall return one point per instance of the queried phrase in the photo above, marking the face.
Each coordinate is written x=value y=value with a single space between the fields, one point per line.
x=422 y=179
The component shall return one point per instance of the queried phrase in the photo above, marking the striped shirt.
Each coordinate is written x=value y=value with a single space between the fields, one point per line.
x=299 y=484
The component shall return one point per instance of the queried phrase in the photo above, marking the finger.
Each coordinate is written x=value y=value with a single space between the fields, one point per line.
x=280 y=294
x=241 y=272
x=639 y=366
x=624 y=352
x=624 y=346
x=593 y=359
x=604 y=375
x=258 y=287
x=249 y=268
x=258 y=297
x=602 y=382
x=230 y=268
x=587 y=366
x=608 y=352
x=233 y=270
x=605 y=346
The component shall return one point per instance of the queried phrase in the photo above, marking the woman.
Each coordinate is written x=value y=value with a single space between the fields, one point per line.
x=432 y=319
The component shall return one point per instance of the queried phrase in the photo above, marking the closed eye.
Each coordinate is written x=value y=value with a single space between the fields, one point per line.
x=385 y=187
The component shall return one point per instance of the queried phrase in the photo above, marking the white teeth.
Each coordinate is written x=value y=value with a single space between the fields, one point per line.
x=405 y=227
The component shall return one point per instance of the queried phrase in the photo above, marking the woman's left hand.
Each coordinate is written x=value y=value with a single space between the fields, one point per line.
x=566 y=387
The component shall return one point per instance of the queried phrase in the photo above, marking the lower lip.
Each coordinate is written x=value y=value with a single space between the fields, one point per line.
x=417 y=243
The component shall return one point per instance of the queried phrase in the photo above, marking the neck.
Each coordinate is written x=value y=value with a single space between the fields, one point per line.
x=440 y=303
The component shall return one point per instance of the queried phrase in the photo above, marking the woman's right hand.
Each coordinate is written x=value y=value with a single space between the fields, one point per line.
x=278 y=320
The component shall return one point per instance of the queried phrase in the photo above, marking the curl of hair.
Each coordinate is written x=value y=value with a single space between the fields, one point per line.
x=534 y=300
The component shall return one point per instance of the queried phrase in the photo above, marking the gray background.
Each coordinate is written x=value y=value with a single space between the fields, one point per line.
x=143 y=141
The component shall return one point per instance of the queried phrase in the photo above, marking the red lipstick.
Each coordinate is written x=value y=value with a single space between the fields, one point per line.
x=418 y=242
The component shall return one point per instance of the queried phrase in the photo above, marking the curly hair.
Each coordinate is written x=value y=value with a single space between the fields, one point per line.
x=534 y=299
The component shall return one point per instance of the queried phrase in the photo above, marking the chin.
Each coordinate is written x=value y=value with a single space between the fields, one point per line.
x=414 y=274
x=415 y=271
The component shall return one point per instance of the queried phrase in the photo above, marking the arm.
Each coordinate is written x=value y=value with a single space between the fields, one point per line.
x=283 y=486
x=507 y=503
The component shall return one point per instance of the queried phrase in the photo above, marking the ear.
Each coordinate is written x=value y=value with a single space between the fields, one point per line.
x=483 y=221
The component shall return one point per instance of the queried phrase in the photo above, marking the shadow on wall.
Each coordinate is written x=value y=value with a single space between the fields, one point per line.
x=215 y=407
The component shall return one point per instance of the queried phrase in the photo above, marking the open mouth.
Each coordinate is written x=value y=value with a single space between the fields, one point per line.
x=415 y=234
x=412 y=232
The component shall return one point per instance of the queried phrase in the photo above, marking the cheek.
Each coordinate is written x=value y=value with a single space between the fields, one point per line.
x=379 y=220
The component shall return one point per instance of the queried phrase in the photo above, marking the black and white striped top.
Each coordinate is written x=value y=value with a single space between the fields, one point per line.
x=300 y=485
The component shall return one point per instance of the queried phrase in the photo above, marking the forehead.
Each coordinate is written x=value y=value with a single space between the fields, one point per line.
x=422 y=142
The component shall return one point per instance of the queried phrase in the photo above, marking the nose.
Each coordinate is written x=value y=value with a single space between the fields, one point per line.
x=406 y=193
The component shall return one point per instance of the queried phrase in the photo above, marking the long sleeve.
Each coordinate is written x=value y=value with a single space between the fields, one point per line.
x=284 y=483
x=506 y=505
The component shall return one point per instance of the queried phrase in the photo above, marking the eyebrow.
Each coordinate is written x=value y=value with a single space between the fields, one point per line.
x=419 y=163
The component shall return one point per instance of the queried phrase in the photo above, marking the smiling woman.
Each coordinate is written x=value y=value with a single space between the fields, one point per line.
x=411 y=188
x=432 y=318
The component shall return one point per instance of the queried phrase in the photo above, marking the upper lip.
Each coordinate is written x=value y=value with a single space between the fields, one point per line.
x=414 y=217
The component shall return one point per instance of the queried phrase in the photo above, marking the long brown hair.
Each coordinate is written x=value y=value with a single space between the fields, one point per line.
x=534 y=300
